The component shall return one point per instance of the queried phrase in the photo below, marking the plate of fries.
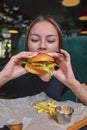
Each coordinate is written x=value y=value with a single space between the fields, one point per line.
x=48 y=107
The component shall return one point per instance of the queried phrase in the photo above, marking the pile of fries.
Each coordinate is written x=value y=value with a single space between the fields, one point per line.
x=47 y=107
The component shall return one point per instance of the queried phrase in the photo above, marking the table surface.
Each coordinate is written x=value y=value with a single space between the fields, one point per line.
x=79 y=125
x=16 y=104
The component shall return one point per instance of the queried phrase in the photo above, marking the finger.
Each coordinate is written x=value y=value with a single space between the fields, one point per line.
x=59 y=57
x=23 y=56
x=55 y=54
x=67 y=56
x=28 y=54
x=32 y=54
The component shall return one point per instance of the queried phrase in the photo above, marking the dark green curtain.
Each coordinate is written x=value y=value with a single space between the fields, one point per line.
x=77 y=48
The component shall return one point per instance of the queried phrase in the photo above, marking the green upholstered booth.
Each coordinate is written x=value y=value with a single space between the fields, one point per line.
x=77 y=48
x=21 y=43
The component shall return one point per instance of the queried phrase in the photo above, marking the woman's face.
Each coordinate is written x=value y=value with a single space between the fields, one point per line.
x=43 y=37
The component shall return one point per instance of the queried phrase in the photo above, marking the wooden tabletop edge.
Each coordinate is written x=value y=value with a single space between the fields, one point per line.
x=78 y=125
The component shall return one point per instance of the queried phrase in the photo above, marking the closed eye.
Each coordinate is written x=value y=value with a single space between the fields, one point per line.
x=34 y=40
x=51 y=41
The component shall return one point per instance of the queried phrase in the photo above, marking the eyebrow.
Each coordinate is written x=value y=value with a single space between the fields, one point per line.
x=50 y=35
x=34 y=34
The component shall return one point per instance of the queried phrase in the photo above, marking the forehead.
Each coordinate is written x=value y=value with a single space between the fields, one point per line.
x=43 y=25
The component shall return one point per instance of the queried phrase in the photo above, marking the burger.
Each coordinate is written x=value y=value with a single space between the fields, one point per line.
x=41 y=64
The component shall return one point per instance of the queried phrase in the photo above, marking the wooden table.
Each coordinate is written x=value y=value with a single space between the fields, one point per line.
x=78 y=125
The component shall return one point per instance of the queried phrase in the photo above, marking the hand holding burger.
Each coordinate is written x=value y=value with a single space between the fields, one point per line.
x=41 y=64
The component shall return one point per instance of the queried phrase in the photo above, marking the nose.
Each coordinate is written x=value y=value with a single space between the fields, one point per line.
x=43 y=45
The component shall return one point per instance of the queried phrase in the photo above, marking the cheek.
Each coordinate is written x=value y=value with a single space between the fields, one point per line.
x=53 y=47
x=32 y=47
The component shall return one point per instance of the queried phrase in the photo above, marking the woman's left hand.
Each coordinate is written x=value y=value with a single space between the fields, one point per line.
x=64 y=73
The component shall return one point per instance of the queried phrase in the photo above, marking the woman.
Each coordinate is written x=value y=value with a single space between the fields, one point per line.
x=43 y=36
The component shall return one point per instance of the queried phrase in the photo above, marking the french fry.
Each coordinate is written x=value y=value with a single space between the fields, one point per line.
x=47 y=107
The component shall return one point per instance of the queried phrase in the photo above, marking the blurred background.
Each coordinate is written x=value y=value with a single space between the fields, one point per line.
x=16 y=15
x=19 y=13
x=71 y=15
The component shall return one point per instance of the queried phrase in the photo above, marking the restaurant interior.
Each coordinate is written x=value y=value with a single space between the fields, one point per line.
x=71 y=15
x=21 y=113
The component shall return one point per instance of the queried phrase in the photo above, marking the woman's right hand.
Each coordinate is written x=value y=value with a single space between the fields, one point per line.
x=14 y=67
